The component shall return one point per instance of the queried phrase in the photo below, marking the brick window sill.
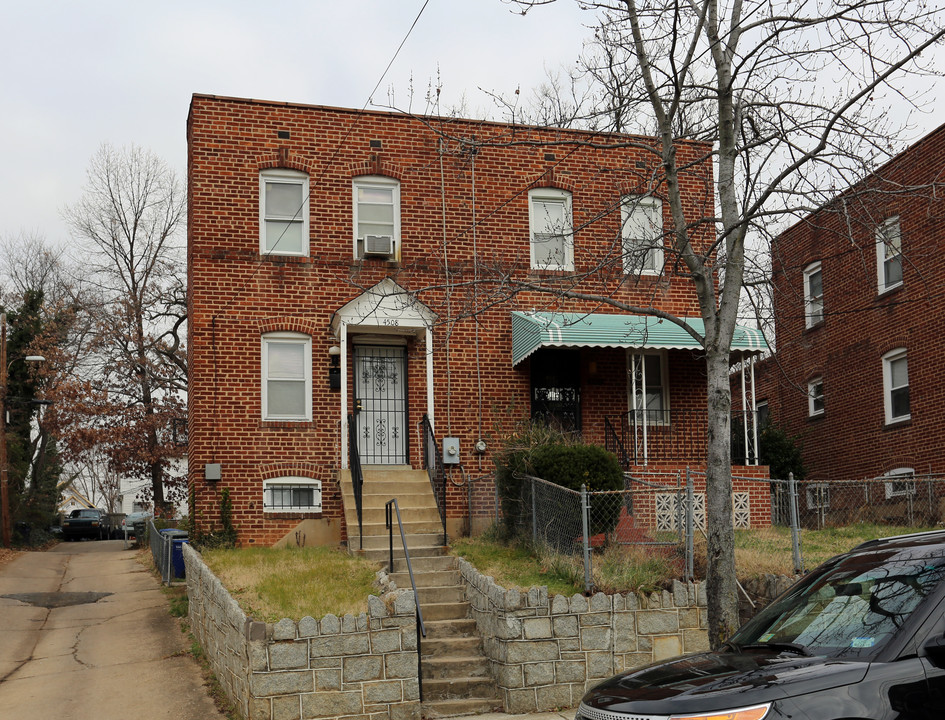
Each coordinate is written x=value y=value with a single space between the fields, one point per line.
x=286 y=424
x=896 y=425
x=291 y=515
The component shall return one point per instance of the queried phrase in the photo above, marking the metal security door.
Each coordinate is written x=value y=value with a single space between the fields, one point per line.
x=381 y=390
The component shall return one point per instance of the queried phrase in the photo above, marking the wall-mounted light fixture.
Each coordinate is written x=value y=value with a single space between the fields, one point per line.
x=334 y=368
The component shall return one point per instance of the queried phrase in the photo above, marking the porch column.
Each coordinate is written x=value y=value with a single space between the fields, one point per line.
x=754 y=414
x=344 y=394
x=745 y=414
x=429 y=349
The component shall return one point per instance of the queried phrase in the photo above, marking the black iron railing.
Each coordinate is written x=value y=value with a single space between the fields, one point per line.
x=433 y=462
x=390 y=508
x=357 y=477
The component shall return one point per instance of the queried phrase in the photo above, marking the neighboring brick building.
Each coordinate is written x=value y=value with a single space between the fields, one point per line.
x=859 y=313
x=332 y=271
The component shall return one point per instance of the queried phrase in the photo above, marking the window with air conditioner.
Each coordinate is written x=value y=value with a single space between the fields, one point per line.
x=813 y=295
x=283 y=213
x=286 y=377
x=552 y=239
x=889 y=255
x=376 y=204
x=292 y=494
x=642 y=233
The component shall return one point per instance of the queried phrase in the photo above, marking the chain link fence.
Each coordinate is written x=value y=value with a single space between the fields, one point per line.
x=782 y=527
x=167 y=551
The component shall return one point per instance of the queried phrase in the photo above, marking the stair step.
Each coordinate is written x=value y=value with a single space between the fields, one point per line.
x=439 y=594
x=378 y=516
x=458 y=688
x=448 y=646
x=425 y=577
x=421 y=527
x=449 y=629
x=444 y=611
x=456 y=708
x=382 y=542
x=456 y=666
x=421 y=558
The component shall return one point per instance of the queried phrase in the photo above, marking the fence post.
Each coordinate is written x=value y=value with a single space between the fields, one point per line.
x=534 y=515
x=795 y=529
x=690 y=528
x=585 y=522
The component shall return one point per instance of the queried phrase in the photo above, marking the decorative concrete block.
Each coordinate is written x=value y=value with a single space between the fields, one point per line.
x=331 y=704
x=657 y=622
x=569 y=671
x=405 y=603
x=542 y=673
x=559 y=604
x=262 y=708
x=695 y=640
x=537 y=628
x=596 y=638
x=258 y=656
x=359 y=669
x=285 y=629
x=349 y=624
x=600 y=602
x=689 y=618
x=552 y=697
x=600 y=665
x=327 y=680
x=513 y=599
x=356 y=644
x=288 y=656
x=330 y=625
x=533 y=651
x=386 y=691
x=680 y=594
x=509 y=676
x=385 y=641
x=507 y=628
x=282 y=683
x=625 y=635
x=324 y=647
x=288 y=707
x=400 y=665
x=376 y=607
x=521 y=701
x=565 y=626
x=566 y=645
x=578 y=604
x=405 y=711
x=412 y=690
x=308 y=627
x=596 y=618
x=667 y=646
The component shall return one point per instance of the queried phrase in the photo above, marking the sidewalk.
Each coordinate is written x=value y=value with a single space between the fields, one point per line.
x=558 y=715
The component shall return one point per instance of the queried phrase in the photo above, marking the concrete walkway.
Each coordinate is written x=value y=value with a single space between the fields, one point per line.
x=85 y=634
x=559 y=715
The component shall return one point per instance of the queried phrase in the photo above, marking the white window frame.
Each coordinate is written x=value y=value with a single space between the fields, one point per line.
x=888 y=389
x=813 y=304
x=762 y=408
x=294 y=482
x=633 y=392
x=818 y=496
x=813 y=396
x=293 y=338
x=287 y=177
x=903 y=477
x=537 y=224
x=385 y=183
x=631 y=205
x=888 y=230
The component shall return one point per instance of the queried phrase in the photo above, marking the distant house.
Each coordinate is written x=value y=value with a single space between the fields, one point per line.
x=337 y=316
x=859 y=307
x=72 y=500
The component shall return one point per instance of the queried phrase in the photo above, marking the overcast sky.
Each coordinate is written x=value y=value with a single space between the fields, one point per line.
x=77 y=74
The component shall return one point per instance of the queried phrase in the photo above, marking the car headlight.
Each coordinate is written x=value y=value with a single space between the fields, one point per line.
x=751 y=713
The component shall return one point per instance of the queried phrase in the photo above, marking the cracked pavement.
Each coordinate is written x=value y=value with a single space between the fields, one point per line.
x=85 y=633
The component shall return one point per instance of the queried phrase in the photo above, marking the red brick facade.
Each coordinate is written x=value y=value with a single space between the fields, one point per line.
x=865 y=317
x=463 y=189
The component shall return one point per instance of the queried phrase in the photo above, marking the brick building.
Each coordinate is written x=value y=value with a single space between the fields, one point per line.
x=859 y=310
x=350 y=279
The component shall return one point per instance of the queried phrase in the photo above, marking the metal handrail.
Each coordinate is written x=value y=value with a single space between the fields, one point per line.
x=357 y=476
x=614 y=444
x=433 y=462
x=421 y=629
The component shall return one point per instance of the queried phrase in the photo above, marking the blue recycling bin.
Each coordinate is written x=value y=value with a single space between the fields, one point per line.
x=177 y=556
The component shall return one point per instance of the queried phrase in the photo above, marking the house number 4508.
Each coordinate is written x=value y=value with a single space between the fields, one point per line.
x=390 y=321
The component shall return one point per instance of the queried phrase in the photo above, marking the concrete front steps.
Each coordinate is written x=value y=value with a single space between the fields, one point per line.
x=455 y=675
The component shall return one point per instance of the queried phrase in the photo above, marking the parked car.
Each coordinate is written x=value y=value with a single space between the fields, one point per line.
x=85 y=523
x=863 y=636
x=128 y=522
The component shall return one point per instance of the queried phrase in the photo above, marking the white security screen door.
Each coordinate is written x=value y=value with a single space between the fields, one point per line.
x=380 y=376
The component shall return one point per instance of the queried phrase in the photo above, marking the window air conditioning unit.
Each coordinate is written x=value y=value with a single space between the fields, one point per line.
x=378 y=245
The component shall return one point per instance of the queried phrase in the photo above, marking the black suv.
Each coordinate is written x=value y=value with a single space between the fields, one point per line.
x=862 y=636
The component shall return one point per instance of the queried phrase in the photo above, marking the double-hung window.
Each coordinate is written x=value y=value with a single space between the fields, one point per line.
x=292 y=494
x=900 y=482
x=376 y=205
x=286 y=376
x=648 y=387
x=896 y=386
x=552 y=238
x=889 y=255
x=283 y=213
x=813 y=295
x=642 y=233
x=815 y=397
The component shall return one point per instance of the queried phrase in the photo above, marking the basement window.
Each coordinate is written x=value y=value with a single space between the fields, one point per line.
x=292 y=494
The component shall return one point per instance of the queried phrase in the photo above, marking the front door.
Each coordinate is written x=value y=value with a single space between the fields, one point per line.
x=380 y=386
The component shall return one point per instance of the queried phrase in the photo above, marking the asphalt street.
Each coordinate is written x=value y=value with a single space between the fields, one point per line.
x=85 y=634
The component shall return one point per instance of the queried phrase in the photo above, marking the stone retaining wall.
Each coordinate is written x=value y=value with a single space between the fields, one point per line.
x=350 y=667
x=546 y=652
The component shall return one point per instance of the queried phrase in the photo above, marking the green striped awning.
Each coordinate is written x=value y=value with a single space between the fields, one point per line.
x=531 y=331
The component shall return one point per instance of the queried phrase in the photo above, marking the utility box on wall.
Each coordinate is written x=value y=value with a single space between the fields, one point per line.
x=451 y=451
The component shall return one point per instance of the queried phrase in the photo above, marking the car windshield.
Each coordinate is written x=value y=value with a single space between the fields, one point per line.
x=84 y=513
x=852 y=608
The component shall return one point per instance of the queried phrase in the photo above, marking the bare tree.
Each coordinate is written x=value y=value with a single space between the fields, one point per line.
x=791 y=97
x=130 y=220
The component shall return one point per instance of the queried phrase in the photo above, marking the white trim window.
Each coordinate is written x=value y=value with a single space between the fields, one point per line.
x=896 y=386
x=292 y=494
x=283 y=213
x=889 y=255
x=551 y=231
x=901 y=482
x=648 y=386
x=641 y=221
x=818 y=496
x=815 y=397
x=813 y=294
x=376 y=207
x=286 y=376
